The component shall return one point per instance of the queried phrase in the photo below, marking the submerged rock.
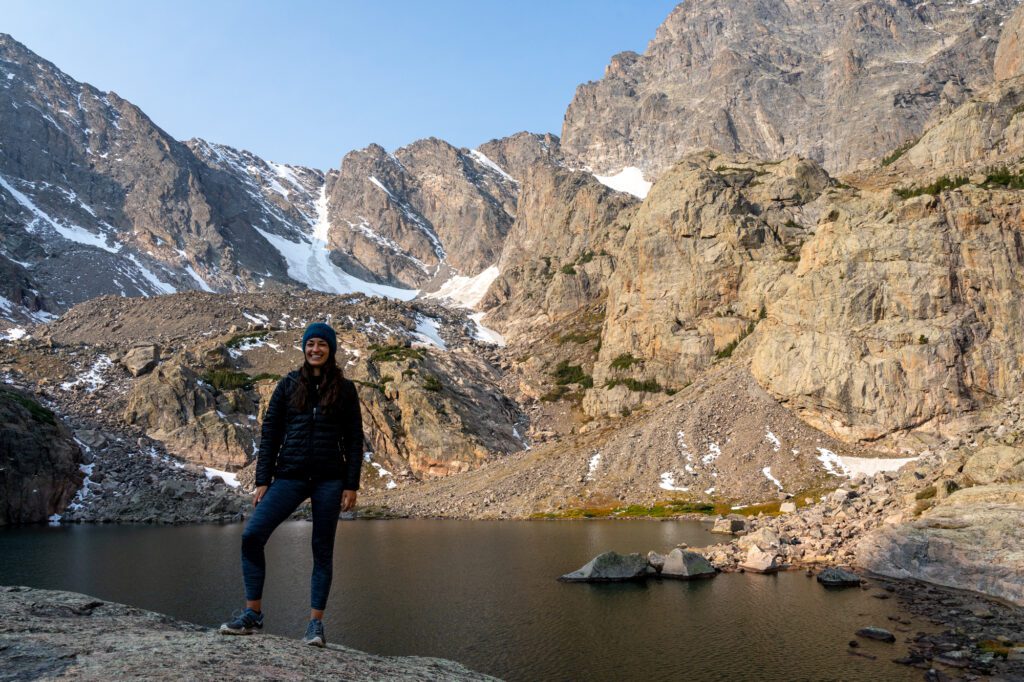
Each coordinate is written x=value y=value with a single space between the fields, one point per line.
x=880 y=634
x=838 y=577
x=610 y=567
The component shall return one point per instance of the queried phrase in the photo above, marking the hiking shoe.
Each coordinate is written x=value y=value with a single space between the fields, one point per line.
x=315 y=633
x=245 y=623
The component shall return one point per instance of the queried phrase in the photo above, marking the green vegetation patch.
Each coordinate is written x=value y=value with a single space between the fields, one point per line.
x=565 y=374
x=943 y=184
x=394 y=353
x=895 y=154
x=37 y=411
x=1005 y=178
x=240 y=339
x=731 y=346
x=637 y=385
x=624 y=361
x=431 y=382
x=568 y=269
x=228 y=380
x=579 y=337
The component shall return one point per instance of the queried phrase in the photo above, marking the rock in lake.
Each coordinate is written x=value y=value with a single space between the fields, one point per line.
x=685 y=565
x=880 y=634
x=610 y=567
x=837 y=577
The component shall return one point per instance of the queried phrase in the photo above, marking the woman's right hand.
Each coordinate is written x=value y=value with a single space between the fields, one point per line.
x=258 y=494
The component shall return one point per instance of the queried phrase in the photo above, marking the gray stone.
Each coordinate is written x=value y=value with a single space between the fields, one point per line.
x=879 y=634
x=838 y=577
x=610 y=567
x=787 y=507
x=685 y=565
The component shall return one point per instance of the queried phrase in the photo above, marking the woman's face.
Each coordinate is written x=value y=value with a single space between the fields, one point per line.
x=317 y=352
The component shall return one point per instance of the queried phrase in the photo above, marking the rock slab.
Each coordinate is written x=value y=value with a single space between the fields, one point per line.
x=970 y=540
x=67 y=636
x=610 y=567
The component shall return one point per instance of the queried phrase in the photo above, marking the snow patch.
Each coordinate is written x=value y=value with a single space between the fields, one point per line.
x=14 y=334
x=592 y=464
x=381 y=471
x=767 y=471
x=256 y=318
x=160 y=286
x=668 y=482
x=72 y=233
x=714 y=452
x=228 y=477
x=481 y=158
x=310 y=263
x=484 y=334
x=466 y=292
x=428 y=329
x=629 y=180
x=773 y=439
x=870 y=466
x=92 y=379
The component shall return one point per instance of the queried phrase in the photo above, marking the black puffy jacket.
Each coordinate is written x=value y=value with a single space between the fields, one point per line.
x=313 y=444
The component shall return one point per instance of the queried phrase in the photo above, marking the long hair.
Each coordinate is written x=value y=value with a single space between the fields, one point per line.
x=330 y=388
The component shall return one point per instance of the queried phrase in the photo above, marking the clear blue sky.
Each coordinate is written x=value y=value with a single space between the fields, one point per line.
x=303 y=81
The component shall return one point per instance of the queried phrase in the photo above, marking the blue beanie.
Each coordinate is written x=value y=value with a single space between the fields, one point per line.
x=321 y=330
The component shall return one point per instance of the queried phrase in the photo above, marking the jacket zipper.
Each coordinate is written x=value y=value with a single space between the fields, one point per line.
x=312 y=444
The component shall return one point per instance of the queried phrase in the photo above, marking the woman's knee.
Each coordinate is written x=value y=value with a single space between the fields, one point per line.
x=253 y=538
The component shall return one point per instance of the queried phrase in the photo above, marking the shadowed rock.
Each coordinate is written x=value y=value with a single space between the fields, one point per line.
x=837 y=577
x=609 y=567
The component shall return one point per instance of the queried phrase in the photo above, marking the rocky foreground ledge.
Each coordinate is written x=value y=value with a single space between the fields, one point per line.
x=53 y=635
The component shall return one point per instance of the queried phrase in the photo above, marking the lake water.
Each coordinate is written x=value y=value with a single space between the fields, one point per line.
x=484 y=593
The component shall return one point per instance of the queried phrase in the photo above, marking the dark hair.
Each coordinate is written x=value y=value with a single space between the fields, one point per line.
x=330 y=389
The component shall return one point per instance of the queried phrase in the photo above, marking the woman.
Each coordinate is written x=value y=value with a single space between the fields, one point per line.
x=311 y=448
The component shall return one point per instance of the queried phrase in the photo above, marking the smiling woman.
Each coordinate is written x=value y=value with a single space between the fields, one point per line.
x=311 y=448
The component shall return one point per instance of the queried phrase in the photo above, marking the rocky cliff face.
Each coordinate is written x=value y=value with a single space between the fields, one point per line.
x=39 y=461
x=703 y=253
x=96 y=198
x=835 y=81
x=557 y=255
x=402 y=216
x=1010 y=53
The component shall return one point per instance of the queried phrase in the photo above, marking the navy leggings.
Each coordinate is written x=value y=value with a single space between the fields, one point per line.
x=282 y=498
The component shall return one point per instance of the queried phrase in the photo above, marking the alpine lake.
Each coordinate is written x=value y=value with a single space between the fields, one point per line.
x=485 y=594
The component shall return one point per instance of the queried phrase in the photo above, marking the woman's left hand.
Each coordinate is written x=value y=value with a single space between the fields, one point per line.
x=348 y=500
